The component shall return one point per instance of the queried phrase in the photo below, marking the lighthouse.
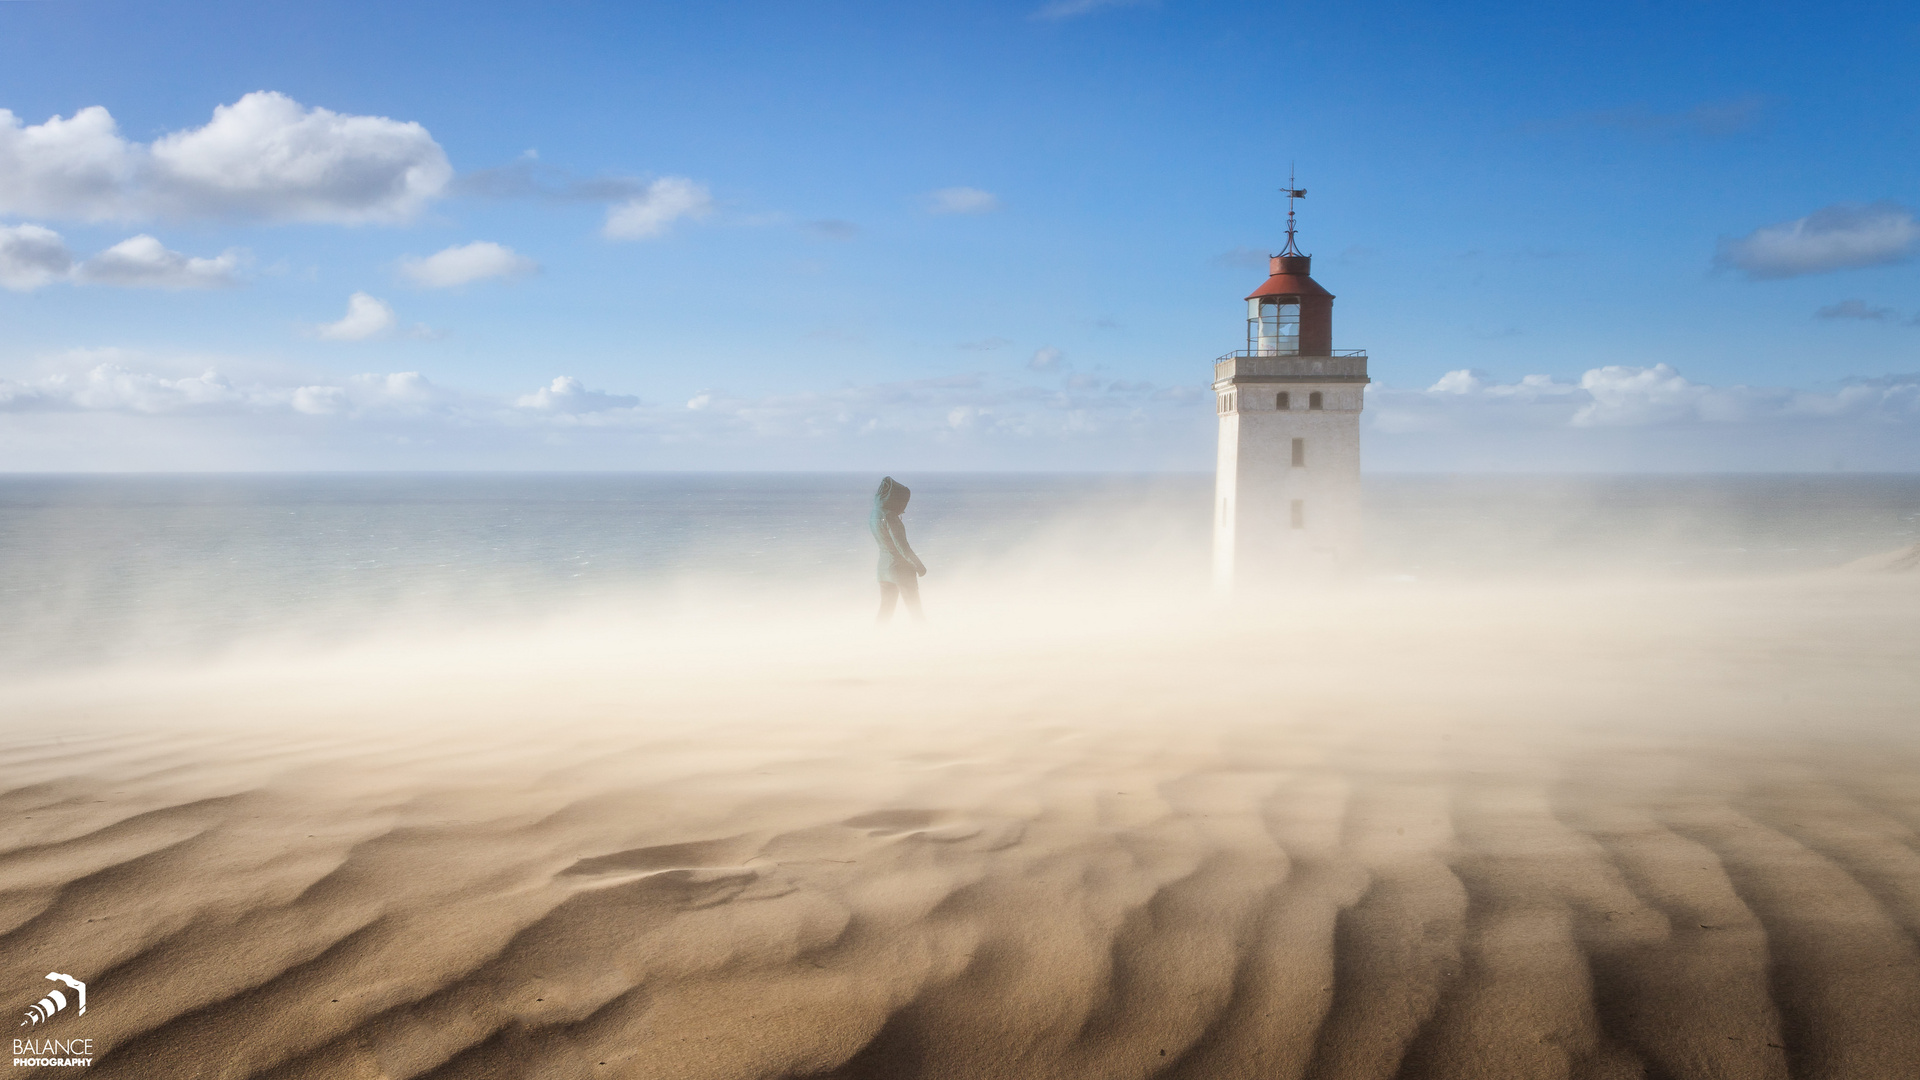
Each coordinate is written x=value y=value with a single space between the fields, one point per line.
x=1287 y=484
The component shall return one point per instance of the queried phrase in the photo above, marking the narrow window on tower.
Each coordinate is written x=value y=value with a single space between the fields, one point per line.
x=1314 y=400
x=1283 y=401
x=1299 y=514
x=1299 y=452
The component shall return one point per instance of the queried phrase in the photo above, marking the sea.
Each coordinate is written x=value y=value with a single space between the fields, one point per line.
x=102 y=569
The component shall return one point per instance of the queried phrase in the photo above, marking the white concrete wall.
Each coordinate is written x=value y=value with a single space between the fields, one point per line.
x=1226 y=480
x=1257 y=483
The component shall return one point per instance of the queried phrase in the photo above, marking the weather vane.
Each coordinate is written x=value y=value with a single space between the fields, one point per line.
x=1292 y=193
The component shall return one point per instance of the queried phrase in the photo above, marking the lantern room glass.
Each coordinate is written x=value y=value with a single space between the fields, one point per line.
x=1273 y=326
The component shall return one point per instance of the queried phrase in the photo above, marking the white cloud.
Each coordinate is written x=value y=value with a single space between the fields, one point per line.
x=466 y=263
x=652 y=212
x=366 y=317
x=403 y=391
x=77 y=167
x=1840 y=237
x=1623 y=396
x=320 y=400
x=567 y=394
x=143 y=262
x=1045 y=358
x=1463 y=381
x=1467 y=381
x=32 y=256
x=265 y=156
x=400 y=394
x=962 y=200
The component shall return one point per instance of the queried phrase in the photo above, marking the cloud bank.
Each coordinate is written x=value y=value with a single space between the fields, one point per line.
x=1618 y=417
x=113 y=388
x=130 y=416
x=265 y=157
x=1627 y=396
x=1629 y=418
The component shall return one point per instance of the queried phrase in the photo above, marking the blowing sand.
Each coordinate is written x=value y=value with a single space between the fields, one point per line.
x=1394 y=830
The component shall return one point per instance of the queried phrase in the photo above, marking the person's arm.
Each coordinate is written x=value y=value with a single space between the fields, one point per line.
x=896 y=534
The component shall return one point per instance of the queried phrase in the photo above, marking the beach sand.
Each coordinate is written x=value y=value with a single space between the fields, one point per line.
x=1603 y=829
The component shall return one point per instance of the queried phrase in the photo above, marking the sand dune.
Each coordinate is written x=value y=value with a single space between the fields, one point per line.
x=1597 y=830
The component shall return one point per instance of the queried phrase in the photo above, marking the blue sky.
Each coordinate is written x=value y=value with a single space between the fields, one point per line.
x=948 y=236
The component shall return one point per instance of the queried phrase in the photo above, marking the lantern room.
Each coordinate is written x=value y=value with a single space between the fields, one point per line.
x=1290 y=314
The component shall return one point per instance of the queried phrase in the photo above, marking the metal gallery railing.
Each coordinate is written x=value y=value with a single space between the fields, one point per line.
x=1244 y=354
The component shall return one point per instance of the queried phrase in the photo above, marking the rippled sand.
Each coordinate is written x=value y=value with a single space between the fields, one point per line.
x=1397 y=830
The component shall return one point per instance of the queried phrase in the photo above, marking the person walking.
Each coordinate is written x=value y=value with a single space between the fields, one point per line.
x=900 y=568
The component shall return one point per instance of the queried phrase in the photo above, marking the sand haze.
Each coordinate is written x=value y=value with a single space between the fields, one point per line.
x=1090 y=823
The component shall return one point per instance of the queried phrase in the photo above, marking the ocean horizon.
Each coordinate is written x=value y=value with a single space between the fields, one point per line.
x=98 y=568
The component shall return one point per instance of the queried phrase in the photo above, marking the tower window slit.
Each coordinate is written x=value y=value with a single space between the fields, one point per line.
x=1299 y=513
x=1283 y=401
x=1314 y=401
x=1299 y=453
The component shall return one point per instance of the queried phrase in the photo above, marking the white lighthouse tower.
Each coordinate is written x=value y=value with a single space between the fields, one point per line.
x=1287 y=487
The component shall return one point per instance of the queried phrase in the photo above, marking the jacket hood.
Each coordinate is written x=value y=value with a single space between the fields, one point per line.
x=892 y=496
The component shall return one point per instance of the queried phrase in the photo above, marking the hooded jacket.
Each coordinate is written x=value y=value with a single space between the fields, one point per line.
x=898 y=563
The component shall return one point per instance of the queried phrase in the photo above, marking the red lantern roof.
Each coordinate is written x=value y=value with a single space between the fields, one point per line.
x=1289 y=278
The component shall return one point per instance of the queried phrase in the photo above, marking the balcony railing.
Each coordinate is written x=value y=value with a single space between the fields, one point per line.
x=1242 y=354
